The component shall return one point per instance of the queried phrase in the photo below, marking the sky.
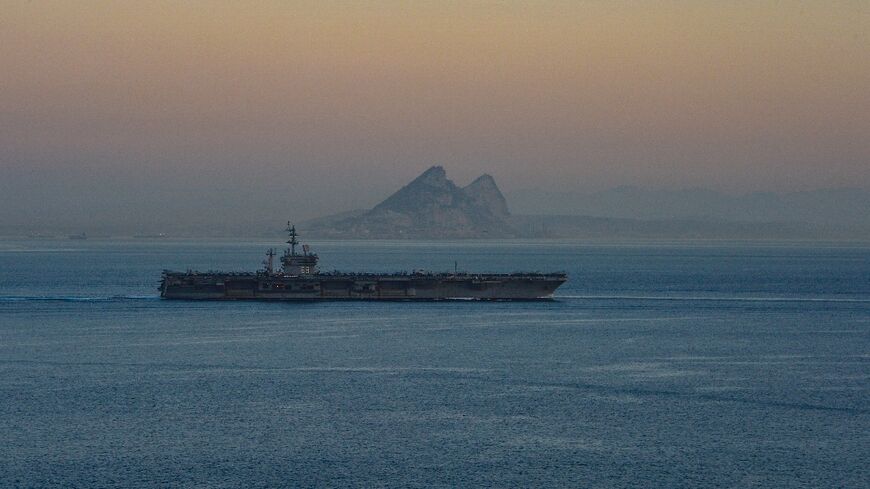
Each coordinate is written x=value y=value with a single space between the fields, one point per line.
x=145 y=111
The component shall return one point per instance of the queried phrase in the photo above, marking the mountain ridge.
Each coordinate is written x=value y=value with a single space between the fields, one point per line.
x=430 y=206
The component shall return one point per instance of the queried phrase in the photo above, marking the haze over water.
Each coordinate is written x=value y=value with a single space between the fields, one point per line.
x=193 y=112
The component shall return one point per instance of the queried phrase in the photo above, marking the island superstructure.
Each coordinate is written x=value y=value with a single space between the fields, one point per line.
x=300 y=279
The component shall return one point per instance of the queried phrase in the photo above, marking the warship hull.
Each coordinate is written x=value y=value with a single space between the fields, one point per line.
x=319 y=287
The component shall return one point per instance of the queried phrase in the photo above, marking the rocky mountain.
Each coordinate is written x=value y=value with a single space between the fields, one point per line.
x=486 y=194
x=430 y=207
x=433 y=207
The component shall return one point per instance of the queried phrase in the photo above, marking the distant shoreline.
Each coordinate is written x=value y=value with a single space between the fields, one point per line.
x=593 y=241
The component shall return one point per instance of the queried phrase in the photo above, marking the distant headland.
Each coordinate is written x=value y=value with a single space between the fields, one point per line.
x=430 y=207
x=433 y=207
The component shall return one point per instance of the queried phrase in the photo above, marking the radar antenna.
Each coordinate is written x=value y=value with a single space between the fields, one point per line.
x=291 y=230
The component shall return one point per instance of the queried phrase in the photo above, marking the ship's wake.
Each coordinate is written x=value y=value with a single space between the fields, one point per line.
x=709 y=298
x=76 y=298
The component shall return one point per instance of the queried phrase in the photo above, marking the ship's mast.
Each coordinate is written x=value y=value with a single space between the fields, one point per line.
x=269 y=261
x=293 y=263
x=291 y=229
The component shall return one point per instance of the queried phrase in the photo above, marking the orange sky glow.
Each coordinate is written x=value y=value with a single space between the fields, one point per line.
x=353 y=98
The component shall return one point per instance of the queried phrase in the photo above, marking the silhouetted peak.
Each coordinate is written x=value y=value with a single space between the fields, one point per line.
x=484 y=191
x=431 y=205
x=483 y=181
x=435 y=176
x=430 y=188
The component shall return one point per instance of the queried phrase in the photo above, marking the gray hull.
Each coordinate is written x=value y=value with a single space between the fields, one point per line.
x=260 y=286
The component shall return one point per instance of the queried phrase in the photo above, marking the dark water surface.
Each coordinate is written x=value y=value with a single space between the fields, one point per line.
x=659 y=366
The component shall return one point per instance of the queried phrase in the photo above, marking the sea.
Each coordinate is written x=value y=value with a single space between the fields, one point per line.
x=661 y=365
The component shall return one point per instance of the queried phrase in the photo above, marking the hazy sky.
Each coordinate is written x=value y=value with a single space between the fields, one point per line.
x=321 y=106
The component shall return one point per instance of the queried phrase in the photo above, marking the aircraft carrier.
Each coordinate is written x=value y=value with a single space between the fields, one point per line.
x=299 y=279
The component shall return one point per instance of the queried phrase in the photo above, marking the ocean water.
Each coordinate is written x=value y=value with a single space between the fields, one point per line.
x=684 y=365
